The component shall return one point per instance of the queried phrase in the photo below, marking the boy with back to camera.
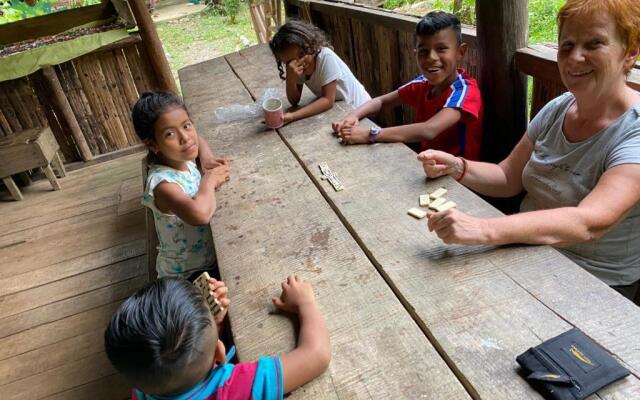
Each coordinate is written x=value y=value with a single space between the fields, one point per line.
x=447 y=101
x=164 y=340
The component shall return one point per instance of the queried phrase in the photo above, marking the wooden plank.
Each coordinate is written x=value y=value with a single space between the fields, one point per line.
x=66 y=288
x=107 y=388
x=482 y=306
x=62 y=378
x=86 y=238
x=541 y=62
x=56 y=331
x=51 y=356
x=339 y=30
x=45 y=25
x=368 y=326
x=71 y=306
x=408 y=70
x=374 y=16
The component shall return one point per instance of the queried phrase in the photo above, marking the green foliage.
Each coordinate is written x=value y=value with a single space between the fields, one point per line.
x=231 y=9
x=391 y=4
x=16 y=10
x=542 y=14
x=542 y=20
x=204 y=36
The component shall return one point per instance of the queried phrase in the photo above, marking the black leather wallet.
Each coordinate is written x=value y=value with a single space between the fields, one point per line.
x=569 y=367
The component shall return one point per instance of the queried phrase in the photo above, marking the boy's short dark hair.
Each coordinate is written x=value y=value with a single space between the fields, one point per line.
x=148 y=108
x=436 y=21
x=156 y=332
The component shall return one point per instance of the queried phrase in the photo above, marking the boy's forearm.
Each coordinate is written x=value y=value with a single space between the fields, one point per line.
x=313 y=353
x=413 y=133
x=371 y=107
x=321 y=104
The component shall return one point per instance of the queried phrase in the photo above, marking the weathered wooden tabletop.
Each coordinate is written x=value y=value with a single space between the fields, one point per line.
x=409 y=316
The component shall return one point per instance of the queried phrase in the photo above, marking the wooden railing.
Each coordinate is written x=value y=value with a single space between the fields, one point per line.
x=101 y=87
x=540 y=62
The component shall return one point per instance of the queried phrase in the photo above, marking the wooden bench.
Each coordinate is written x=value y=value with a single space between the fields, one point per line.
x=27 y=150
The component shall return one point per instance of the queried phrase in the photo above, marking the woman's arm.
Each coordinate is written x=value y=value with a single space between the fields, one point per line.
x=496 y=180
x=615 y=194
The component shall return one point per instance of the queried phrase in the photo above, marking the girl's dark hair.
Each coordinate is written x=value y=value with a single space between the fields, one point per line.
x=308 y=37
x=148 y=108
x=436 y=21
x=156 y=332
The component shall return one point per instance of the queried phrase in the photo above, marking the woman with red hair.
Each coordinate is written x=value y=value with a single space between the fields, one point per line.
x=579 y=160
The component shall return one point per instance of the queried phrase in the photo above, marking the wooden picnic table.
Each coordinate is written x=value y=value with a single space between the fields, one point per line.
x=409 y=316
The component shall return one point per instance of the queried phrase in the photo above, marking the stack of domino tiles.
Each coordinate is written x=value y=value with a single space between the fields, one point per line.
x=435 y=201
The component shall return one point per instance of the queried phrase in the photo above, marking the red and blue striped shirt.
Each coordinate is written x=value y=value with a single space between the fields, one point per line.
x=462 y=139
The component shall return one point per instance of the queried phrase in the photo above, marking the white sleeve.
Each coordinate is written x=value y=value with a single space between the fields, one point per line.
x=328 y=67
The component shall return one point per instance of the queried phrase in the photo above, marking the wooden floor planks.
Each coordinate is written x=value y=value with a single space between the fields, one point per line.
x=68 y=259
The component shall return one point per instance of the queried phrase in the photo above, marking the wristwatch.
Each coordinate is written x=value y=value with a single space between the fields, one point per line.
x=373 y=134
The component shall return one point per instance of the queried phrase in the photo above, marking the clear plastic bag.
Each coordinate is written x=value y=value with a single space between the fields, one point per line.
x=239 y=112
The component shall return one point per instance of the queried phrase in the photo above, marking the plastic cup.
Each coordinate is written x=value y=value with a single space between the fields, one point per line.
x=273 y=113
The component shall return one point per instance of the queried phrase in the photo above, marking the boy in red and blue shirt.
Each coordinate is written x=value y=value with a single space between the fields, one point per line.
x=164 y=340
x=447 y=101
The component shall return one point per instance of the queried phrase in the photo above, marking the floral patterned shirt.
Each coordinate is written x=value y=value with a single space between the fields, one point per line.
x=182 y=248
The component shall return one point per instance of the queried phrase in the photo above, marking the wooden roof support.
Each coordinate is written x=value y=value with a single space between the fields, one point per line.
x=502 y=27
x=153 y=46
x=63 y=110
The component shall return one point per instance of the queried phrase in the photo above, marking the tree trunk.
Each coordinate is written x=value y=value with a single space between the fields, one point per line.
x=153 y=46
x=502 y=27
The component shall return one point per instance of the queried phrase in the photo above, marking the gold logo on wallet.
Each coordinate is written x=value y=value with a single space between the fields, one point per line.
x=579 y=355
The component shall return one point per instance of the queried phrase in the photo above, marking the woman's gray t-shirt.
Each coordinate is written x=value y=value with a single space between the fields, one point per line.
x=561 y=174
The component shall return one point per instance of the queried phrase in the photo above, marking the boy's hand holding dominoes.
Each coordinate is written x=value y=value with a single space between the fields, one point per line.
x=215 y=293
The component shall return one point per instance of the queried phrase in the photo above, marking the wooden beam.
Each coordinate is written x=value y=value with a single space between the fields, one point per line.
x=63 y=109
x=52 y=24
x=371 y=15
x=153 y=46
x=541 y=62
x=502 y=29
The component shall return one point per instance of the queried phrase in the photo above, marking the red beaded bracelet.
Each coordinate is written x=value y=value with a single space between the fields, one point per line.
x=464 y=168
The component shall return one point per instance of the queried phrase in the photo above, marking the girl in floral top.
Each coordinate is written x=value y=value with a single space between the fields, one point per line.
x=181 y=197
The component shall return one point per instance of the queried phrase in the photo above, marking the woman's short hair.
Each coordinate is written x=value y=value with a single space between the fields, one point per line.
x=626 y=14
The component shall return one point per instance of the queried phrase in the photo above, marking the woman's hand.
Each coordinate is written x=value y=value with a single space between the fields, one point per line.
x=453 y=226
x=438 y=163
x=219 y=175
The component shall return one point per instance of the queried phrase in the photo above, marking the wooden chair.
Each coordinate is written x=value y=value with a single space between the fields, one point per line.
x=152 y=236
x=27 y=150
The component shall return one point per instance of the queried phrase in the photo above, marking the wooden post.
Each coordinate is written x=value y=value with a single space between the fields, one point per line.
x=153 y=46
x=62 y=107
x=502 y=27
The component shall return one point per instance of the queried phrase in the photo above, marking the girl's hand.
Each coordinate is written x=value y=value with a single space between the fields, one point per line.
x=453 y=226
x=214 y=162
x=354 y=135
x=220 y=291
x=295 y=69
x=348 y=122
x=438 y=163
x=219 y=174
x=287 y=117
